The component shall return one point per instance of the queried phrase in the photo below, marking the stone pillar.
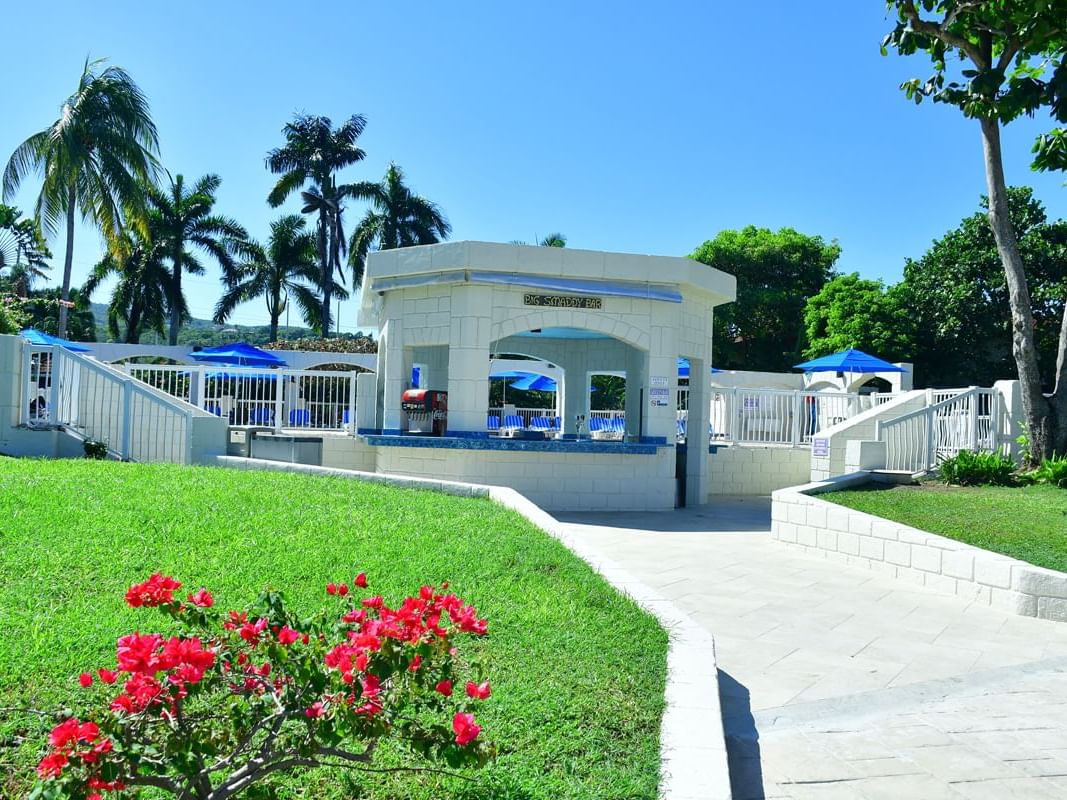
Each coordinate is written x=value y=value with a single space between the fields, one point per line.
x=636 y=399
x=366 y=402
x=1010 y=425
x=575 y=395
x=393 y=378
x=697 y=484
x=468 y=360
x=661 y=421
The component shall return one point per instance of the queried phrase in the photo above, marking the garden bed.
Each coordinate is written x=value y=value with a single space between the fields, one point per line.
x=1028 y=523
x=578 y=670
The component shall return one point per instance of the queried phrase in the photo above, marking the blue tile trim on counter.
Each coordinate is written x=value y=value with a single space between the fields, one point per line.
x=525 y=445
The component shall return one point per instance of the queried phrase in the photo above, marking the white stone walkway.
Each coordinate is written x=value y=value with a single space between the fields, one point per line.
x=839 y=683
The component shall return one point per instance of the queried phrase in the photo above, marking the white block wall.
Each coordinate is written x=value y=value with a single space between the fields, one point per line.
x=749 y=470
x=347 y=452
x=553 y=480
x=917 y=557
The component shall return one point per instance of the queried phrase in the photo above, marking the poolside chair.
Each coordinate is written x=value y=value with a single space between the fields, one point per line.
x=299 y=418
x=261 y=415
x=541 y=424
x=492 y=422
x=596 y=424
x=512 y=422
x=681 y=428
x=213 y=408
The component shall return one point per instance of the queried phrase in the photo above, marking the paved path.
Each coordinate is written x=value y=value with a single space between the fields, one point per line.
x=838 y=683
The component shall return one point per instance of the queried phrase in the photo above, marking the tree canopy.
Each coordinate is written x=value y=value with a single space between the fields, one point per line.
x=777 y=271
x=851 y=311
x=957 y=295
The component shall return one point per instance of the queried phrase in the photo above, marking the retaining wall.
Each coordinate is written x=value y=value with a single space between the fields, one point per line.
x=754 y=470
x=801 y=519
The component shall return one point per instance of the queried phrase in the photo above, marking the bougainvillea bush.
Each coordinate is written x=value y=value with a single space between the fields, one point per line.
x=240 y=696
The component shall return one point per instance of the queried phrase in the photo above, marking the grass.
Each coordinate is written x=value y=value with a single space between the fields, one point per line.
x=578 y=670
x=1028 y=523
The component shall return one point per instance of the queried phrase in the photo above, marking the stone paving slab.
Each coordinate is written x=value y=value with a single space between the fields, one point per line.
x=838 y=683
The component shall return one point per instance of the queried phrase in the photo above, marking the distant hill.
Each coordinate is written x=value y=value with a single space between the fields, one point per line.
x=204 y=332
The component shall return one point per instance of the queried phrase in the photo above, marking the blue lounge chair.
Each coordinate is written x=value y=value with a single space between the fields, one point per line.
x=492 y=422
x=261 y=416
x=513 y=422
x=299 y=418
x=541 y=424
x=213 y=408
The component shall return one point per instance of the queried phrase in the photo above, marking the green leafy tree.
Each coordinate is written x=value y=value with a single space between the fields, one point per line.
x=551 y=240
x=777 y=271
x=94 y=158
x=850 y=311
x=139 y=299
x=313 y=153
x=23 y=252
x=182 y=222
x=285 y=268
x=43 y=308
x=397 y=218
x=957 y=294
x=995 y=61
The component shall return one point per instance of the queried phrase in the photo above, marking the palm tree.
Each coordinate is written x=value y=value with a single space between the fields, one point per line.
x=181 y=218
x=552 y=240
x=95 y=158
x=397 y=218
x=23 y=252
x=139 y=299
x=285 y=268
x=313 y=153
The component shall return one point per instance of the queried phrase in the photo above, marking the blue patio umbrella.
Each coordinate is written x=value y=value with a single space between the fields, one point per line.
x=240 y=354
x=34 y=336
x=683 y=368
x=851 y=361
x=222 y=375
x=538 y=383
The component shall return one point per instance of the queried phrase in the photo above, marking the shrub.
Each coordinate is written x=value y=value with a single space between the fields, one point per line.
x=975 y=469
x=1052 y=471
x=94 y=449
x=242 y=695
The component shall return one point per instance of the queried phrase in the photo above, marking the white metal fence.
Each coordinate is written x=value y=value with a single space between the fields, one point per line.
x=136 y=422
x=277 y=398
x=956 y=419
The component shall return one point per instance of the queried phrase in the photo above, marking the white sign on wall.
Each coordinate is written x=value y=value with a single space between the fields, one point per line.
x=659 y=397
x=659 y=381
x=820 y=448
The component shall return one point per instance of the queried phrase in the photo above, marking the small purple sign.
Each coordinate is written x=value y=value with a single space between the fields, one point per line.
x=820 y=448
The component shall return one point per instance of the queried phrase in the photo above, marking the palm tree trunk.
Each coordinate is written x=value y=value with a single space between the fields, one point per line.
x=327 y=276
x=176 y=290
x=68 y=264
x=1040 y=417
x=133 y=324
x=1059 y=395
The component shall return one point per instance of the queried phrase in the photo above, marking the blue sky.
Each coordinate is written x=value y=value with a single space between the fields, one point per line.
x=638 y=127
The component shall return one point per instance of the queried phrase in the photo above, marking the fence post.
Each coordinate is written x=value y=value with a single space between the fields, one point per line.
x=201 y=385
x=55 y=371
x=281 y=385
x=127 y=417
x=188 y=456
x=797 y=405
x=929 y=461
x=972 y=417
x=351 y=404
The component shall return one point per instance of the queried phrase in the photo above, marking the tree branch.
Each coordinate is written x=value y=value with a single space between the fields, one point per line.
x=940 y=32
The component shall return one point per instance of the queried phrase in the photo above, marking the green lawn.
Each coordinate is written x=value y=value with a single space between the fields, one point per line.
x=578 y=671
x=1028 y=523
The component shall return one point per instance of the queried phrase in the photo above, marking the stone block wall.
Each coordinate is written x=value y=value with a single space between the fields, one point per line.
x=754 y=470
x=823 y=528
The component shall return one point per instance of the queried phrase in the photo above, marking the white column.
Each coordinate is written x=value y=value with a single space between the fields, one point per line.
x=575 y=387
x=661 y=421
x=394 y=381
x=468 y=360
x=697 y=483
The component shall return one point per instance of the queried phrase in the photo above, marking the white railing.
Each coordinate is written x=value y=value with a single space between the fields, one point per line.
x=276 y=398
x=776 y=416
x=963 y=419
x=98 y=402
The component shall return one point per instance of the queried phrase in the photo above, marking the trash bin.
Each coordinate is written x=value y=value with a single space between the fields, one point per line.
x=239 y=439
x=289 y=448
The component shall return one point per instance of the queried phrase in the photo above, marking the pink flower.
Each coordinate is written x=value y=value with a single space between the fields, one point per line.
x=478 y=691
x=315 y=711
x=202 y=598
x=107 y=676
x=444 y=687
x=287 y=635
x=85 y=679
x=465 y=728
x=157 y=590
x=331 y=588
x=51 y=765
x=374 y=602
x=361 y=580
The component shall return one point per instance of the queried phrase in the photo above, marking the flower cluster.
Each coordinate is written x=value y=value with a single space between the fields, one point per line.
x=327 y=688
